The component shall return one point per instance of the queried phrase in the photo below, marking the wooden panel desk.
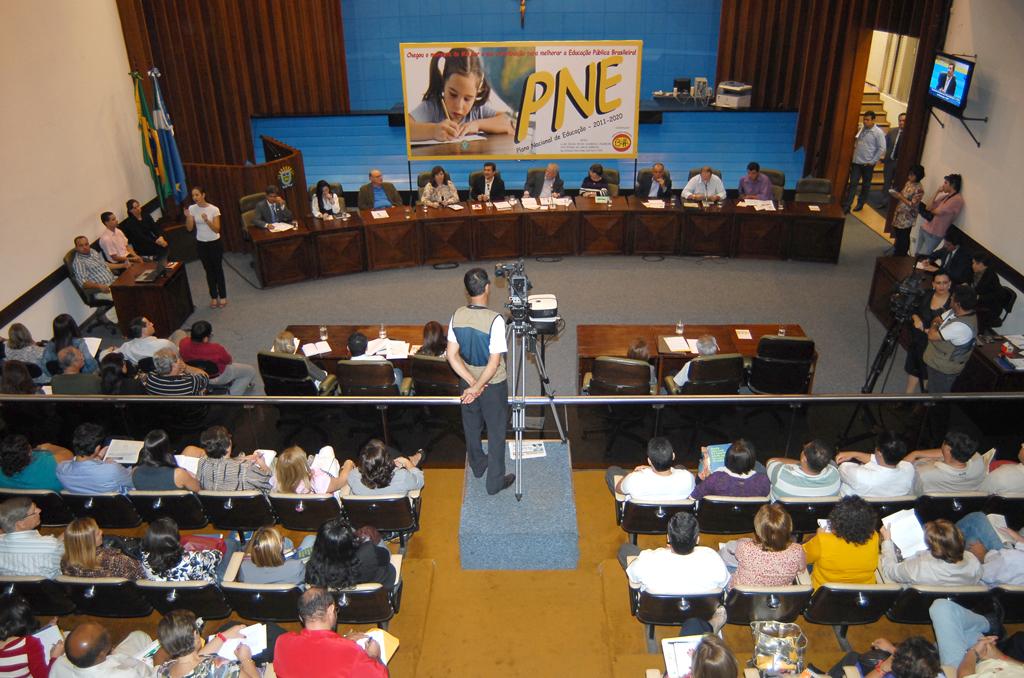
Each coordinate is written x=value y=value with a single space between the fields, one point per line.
x=551 y=233
x=613 y=340
x=283 y=257
x=603 y=226
x=338 y=246
x=337 y=337
x=393 y=241
x=167 y=302
x=653 y=230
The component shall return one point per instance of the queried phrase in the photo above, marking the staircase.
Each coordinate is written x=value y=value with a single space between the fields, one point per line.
x=872 y=101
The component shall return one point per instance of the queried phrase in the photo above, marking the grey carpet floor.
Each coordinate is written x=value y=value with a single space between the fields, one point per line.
x=827 y=300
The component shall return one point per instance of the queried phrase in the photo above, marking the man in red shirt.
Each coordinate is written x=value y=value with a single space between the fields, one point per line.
x=237 y=377
x=318 y=651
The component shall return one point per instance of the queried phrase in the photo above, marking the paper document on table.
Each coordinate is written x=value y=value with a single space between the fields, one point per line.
x=456 y=206
x=379 y=214
x=254 y=636
x=326 y=461
x=47 y=389
x=375 y=346
x=49 y=636
x=190 y=464
x=563 y=202
x=459 y=140
x=502 y=205
x=531 y=449
x=268 y=456
x=744 y=334
x=681 y=344
x=678 y=654
x=906 y=532
x=766 y=206
x=397 y=350
x=691 y=204
x=280 y=227
x=124 y=451
x=814 y=208
x=1016 y=363
x=530 y=203
x=1015 y=339
x=656 y=204
x=316 y=348
x=387 y=642
x=93 y=344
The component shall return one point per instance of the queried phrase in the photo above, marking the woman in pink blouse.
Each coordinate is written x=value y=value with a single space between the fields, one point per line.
x=771 y=558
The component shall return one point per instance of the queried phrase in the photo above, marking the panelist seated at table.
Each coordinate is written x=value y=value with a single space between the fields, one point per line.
x=546 y=185
x=378 y=194
x=326 y=203
x=489 y=185
x=357 y=344
x=286 y=343
x=114 y=242
x=706 y=345
x=655 y=184
x=705 y=185
x=272 y=210
x=440 y=190
x=145 y=237
x=595 y=181
x=755 y=185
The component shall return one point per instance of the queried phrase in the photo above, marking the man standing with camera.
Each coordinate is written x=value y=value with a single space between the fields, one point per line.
x=476 y=352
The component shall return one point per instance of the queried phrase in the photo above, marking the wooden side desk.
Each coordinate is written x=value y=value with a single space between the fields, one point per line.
x=338 y=246
x=603 y=226
x=167 y=302
x=653 y=230
x=337 y=337
x=283 y=257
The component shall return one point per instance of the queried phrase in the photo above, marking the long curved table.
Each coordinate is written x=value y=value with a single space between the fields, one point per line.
x=409 y=237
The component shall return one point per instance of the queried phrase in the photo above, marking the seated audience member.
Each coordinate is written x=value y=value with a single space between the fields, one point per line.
x=88 y=652
x=435 y=343
x=93 y=274
x=25 y=468
x=1001 y=552
x=656 y=480
x=67 y=333
x=156 y=470
x=706 y=345
x=193 y=657
x=142 y=341
x=318 y=651
x=114 y=242
x=712 y=658
x=220 y=469
x=1004 y=478
x=22 y=347
x=86 y=556
x=172 y=377
x=638 y=350
x=71 y=380
x=705 y=185
x=343 y=557
x=326 y=203
x=548 y=185
x=986 y=659
x=915 y=657
x=285 y=343
x=657 y=184
x=294 y=475
x=879 y=474
x=272 y=210
x=21 y=653
x=945 y=562
x=738 y=478
x=957 y=629
x=357 y=344
x=440 y=190
x=118 y=377
x=23 y=551
x=145 y=237
x=954 y=467
x=771 y=557
x=488 y=185
x=16 y=380
x=238 y=377
x=378 y=194
x=378 y=473
x=952 y=259
x=165 y=559
x=88 y=472
x=266 y=560
x=813 y=475
x=847 y=552
x=755 y=185
x=594 y=181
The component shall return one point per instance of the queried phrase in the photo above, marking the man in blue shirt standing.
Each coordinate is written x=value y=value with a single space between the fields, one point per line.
x=870 y=145
x=88 y=472
x=378 y=194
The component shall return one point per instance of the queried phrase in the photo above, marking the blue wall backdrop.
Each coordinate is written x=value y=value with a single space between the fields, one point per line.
x=680 y=38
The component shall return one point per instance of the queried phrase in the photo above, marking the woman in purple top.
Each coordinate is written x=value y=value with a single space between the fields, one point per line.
x=595 y=180
x=738 y=478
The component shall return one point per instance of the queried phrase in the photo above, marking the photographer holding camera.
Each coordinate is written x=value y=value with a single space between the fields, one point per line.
x=476 y=352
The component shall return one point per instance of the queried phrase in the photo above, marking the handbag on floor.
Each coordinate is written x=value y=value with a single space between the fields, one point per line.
x=778 y=647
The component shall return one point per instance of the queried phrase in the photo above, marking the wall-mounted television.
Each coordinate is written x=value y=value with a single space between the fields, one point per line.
x=949 y=83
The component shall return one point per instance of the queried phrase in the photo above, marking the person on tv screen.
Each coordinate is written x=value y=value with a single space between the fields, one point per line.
x=947 y=81
x=455 y=103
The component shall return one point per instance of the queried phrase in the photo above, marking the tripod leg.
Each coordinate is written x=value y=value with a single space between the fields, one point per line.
x=543 y=376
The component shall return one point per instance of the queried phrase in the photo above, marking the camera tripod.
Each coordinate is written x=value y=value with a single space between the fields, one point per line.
x=885 y=355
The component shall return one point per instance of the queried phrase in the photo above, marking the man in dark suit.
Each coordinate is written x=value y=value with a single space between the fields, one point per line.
x=657 y=184
x=487 y=186
x=892 y=154
x=378 y=194
x=953 y=260
x=947 y=81
x=547 y=185
x=272 y=210
x=991 y=295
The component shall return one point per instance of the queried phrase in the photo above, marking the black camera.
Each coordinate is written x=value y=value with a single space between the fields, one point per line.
x=906 y=297
x=519 y=287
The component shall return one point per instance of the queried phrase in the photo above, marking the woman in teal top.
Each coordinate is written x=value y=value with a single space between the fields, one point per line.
x=23 y=468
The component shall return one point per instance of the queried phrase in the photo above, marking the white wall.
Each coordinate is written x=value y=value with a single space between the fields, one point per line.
x=991 y=29
x=70 y=142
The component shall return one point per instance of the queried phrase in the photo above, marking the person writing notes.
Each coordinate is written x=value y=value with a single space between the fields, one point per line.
x=378 y=194
x=326 y=203
x=455 y=103
x=705 y=185
x=755 y=185
x=488 y=186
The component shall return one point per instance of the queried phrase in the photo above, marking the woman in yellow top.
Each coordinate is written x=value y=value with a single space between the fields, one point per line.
x=847 y=552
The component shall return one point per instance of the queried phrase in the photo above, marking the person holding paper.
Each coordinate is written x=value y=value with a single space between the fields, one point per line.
x=657 y=184
x=67 y=333
x=755 y=185
x=22 y=653
x=1006 y=476
x=847 y=551
x=357 y=343
x=156 y=469
x=705 y=185
x=267 y=561
x=219 y=469
x=1001 y=552
x=378 y=194
x=326 y=203
x=488 y=186
x=89 y=472
x=813 y=475
x=881 y=473
x=379 y=473
x=440 y=190
x=956 y=466
x=238 y=377
x=945 y=563
x=190 y=657
x=738 y=478
x=549 y=185
x=772 y=557
x=293 y=474
x=89 y=652
x=656 y=480
x=706 y=345
x=286 y=343
x=595 y=181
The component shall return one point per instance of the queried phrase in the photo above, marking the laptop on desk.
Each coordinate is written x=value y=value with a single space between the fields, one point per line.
x=153 y=274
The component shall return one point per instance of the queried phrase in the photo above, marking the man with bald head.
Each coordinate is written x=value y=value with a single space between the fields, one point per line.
x=378 y=194
x=88 y=652
x=654 y=184
x=547 y=185
x=705 y=185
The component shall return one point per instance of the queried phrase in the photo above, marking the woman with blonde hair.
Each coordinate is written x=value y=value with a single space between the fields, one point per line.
x=946 y=561
x=86 y=556
x=270 y=559
x=771 y=558
x=714 y=659
x=292 y=474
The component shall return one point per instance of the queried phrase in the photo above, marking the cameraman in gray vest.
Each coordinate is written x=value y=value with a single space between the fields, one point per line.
x=951 y=339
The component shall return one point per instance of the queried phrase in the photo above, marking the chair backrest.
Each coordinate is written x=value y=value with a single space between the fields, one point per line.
x=777 y=177
x=807 y=511
x=886 y=506
x=673 y=610
x=285 y=375
x=1012 y=598
x=247 y=208
x=785 y=348
x=181 y=505
x=612 y=177
x=1009 y=298
x=304 y=512
x=651 y=517
x=366 y=378
x=949 y=505
x=646 y=172
x=911 y=607
x=55 y=513
x=388 y=513
x=728 y=515
x=105 y=596
x=263 y=602
x=694 y=171
x=45 y=596
x=203 y=598
x=364 y=604
x=110 y=510
x=850 y=604
x=85 y=295
x=533 y=172
x=620 y=376
x=433 y=376
x=813 y=189
x=714 y=375
x=782 y=365
x=422 y=179
x=746 y=604
x=237 y=511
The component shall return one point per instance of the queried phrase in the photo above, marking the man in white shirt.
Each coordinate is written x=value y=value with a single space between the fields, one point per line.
x=656 y=481
x=680 y=568
x=879 y=474
x=706 y=345
x=143 y=342
x=704 y=186
x=88 y=652
x=23 y=551
x=1001 y=552
x=954 y=467
x=357 y=344
x=114 y=242
x=813 y=475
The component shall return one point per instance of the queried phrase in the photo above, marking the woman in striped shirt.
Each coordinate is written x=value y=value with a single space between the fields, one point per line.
x=21 y=653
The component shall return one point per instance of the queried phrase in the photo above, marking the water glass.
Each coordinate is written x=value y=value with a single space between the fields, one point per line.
x=383 y=332
x=782 y=330
x=323 y=333
x=680 y=327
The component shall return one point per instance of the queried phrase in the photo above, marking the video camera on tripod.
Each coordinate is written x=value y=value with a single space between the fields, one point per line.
x=533 y=313
x=906 y=297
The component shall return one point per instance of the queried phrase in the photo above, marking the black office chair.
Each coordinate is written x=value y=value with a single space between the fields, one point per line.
x=746 y=604
x=336 y=187
x=288 y=375
x=990 y=319
x=247 y=210
x=433 y=376
x=55 y=512
x=368 y=378
x=394 y=516
x=88 y=297
x=778 y=179
x=653 y=610
x=620 y=377
x=708 y=375
x=110 y=510
x=728 y=515
x=813 y=190
x=782 y=366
